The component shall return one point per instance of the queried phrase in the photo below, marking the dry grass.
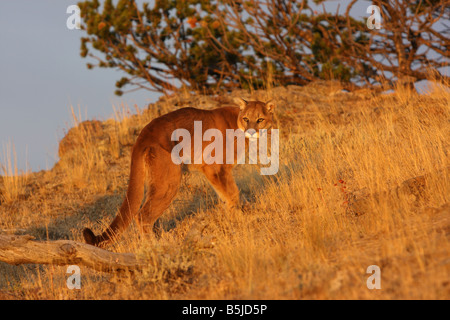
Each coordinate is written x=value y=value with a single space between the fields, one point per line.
x=338 y=205
x=13 y=181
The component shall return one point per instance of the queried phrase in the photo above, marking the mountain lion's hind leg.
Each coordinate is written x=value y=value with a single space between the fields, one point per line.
x=164 y=182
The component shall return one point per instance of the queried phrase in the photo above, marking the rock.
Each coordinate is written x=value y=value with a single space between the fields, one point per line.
x=78 y=136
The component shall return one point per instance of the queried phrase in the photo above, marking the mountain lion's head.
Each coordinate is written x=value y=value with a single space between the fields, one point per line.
x=254 y=115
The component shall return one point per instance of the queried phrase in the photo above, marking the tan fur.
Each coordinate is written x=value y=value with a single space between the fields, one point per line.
x=151 y=161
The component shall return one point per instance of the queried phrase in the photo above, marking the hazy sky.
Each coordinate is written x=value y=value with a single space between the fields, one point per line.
x=42 y=75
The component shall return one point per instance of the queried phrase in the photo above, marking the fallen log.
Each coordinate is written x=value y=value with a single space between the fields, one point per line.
x=22 y=249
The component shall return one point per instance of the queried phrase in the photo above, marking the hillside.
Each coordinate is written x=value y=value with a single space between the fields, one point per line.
x=363 y=180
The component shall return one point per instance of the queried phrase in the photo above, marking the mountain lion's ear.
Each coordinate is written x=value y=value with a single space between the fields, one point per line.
x=240 y=102
x=270 y=106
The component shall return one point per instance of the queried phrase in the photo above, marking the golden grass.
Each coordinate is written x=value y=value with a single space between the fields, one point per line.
x=14 y=182
x=300 y=236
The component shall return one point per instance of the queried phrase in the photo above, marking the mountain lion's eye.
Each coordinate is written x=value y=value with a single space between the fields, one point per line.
x=260 y=120
x=245 y=119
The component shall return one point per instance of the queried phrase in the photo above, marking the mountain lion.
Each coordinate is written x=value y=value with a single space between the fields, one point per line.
x=152 y=163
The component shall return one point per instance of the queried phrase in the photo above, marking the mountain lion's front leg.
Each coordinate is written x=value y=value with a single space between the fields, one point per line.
x=221 y=178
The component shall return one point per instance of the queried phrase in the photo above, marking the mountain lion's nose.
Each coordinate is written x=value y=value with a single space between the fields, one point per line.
x=251 y=133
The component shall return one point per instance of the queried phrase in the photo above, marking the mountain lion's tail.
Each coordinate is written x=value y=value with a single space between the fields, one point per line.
x=130 y=205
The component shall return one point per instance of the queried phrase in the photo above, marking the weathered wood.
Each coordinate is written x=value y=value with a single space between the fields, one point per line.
x=22 y=249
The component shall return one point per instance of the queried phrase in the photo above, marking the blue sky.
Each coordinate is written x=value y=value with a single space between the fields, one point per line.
x=42 y=75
